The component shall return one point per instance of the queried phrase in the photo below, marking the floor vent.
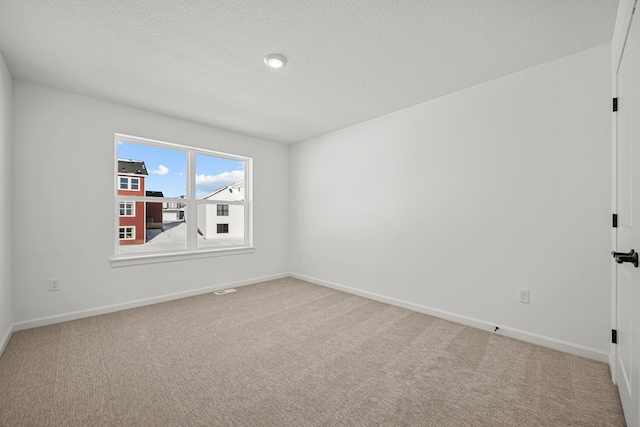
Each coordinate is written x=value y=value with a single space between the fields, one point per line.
x=224 y=291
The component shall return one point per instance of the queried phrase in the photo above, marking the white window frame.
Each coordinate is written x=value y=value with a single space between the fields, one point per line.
x=127 y=202
x=191 y=207
x=129 y=180
x=133 y=232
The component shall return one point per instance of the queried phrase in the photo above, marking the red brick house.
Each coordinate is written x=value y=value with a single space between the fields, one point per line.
x=131 y=177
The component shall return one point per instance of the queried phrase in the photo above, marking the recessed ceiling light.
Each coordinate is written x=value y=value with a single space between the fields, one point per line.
x=275 y=61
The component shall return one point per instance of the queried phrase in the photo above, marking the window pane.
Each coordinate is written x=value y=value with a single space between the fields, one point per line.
x=218 y=232
x=124 y=183
x=217 y=176
x=154 y=229
x=127 y=208
x=127 y=233
x=163 y=170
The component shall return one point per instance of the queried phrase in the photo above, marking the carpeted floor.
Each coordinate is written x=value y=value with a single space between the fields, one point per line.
x=290 y=353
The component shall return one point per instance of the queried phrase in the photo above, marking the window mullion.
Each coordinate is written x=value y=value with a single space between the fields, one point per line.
x=149 y=199
x=221 y=202
x=248 y=205
x=192 y=208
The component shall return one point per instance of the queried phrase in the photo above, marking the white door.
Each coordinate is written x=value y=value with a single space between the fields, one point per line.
x=628 y=231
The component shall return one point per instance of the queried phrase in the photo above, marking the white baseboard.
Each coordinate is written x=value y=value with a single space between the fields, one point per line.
x=556 y=344
x=612 y=363
x=59 y=318
x=6 y=338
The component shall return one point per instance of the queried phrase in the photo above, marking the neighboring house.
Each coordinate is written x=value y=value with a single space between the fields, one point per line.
x=222 y=220
x=173 y=211
x=131 y=181
x=154 y=210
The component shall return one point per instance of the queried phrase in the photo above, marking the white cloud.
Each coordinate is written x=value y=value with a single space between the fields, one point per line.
x=162 y=170
x=210 y=183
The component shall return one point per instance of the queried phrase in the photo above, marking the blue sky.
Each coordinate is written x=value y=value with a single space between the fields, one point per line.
x=167 y=169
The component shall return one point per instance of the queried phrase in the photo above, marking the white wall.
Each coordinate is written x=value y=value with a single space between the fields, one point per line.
x=63 y=205
x=456 y=203
x=6 y=311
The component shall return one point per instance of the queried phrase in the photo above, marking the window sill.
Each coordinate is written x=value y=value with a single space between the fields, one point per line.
x=124 y=261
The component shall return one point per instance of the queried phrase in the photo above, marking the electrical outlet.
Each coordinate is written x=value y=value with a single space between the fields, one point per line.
x=54 y=285
x=523 y=296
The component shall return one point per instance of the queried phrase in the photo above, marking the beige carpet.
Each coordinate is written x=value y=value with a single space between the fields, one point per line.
x=289 y=353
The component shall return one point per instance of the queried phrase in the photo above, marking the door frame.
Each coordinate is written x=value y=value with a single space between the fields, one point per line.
x=620 y=33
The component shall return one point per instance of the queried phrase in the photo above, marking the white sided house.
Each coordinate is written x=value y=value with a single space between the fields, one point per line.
x=173 y=211
x=223 y=220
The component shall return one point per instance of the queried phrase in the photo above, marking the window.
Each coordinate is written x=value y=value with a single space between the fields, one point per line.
x=173 y=195
x=173 y=205
x=223 y=210
x=129 y=183
x=127 y=209
x=127 y=233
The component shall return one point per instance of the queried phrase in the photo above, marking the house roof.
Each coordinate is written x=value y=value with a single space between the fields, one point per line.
x=154 y=194
x=134 y=167
x=231 y=188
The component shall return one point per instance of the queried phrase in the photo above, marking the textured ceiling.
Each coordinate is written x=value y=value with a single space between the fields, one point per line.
x=349 y=60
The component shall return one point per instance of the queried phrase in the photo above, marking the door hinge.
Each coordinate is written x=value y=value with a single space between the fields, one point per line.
x=614 y=221
x=614 y=336
x=615 y=104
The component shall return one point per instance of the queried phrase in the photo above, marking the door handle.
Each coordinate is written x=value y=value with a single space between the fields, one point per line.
x=631 y=257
